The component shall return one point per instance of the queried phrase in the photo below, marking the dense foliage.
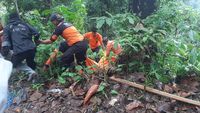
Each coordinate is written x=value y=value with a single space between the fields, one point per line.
x=164 y=45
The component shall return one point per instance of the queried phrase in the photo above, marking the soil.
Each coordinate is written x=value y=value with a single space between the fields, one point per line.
x=52 y=97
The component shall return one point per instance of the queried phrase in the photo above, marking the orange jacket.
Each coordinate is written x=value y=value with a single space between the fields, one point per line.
x=68 y=32
x=94 y=40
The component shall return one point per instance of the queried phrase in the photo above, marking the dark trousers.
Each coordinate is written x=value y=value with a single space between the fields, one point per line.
x=96 y=49
x=78 y=50
x=27 y=55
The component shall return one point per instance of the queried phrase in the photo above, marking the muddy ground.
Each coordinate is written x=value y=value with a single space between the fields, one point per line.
x=52 y=97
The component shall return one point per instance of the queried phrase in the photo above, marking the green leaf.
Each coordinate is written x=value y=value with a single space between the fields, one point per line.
x=145 y=39
x=100 y=23
x=46 y=12
x=77 y=78
x=78 y=68
x=101 y=87
x=114 y=92
x=109 y=21
x=131 y=21
x=89 y=71
x=61 y=80
x=71 y=74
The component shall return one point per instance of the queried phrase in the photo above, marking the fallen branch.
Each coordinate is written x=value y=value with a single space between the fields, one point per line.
x=155 y=91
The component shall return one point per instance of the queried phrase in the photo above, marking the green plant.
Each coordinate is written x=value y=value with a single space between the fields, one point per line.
x=37 y=86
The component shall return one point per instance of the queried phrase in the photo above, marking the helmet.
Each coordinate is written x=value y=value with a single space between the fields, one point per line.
x=57 y=17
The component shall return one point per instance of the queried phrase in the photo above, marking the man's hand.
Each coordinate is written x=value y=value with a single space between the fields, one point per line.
x=48 y=41
x=5 y=50
x=37 y=42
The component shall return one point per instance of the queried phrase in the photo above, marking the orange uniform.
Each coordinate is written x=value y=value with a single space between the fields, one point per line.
x=68 y=32
x=75 y=44
x=110 y=47
x=94 y=40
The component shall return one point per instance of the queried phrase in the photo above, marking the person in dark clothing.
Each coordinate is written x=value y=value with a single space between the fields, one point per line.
x=75 y=43
x=18 y=37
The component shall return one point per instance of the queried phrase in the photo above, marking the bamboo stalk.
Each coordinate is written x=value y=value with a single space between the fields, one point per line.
x=155 y=91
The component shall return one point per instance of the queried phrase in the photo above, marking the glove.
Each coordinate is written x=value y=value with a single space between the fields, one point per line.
x=36 y=39
x=5 y=50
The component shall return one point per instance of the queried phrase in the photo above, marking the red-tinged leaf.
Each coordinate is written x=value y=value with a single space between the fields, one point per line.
x=93 y=89
x=133 y=105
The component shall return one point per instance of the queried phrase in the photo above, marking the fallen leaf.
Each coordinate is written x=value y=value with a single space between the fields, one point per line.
x=166 y=107
x=175 y=87
x=44 y=109
x=168 y=89
x=184 y=108
x=66 y=91
x=184 y=94
x=198 y=109
x=148 y=106
x=79 y=92
x=189 y=84
x=96 y=101
x=54 y=103
x=35 y=96
x=76 y=103
x=17 y=110
x=133 y=105
x=39 y=104
x=139 y=77
x=113 y=101
x=93 y=89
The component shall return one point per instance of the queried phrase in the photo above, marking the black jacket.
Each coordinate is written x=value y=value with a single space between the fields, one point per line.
x=18 y=36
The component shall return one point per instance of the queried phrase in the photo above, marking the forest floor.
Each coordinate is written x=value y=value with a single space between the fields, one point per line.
x=52 y=97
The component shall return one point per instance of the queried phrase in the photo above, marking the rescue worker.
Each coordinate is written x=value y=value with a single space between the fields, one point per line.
x=17 y=36
x=95 y=40
x=74 y=41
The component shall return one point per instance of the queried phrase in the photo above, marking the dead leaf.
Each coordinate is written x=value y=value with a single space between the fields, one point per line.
x=166 y=107
x=175 y=87
x=189 y=84
x=139 y=77
x=35 y=96
x=44 y=109
x=54 y=103
x=184 y=108
x=113 y=101
x=96 y=101
x=151 y=107
x=93 y=89
x=133 y=105
x=39 y=104
x=198 y=109
x=168 y=89
x=184 y=94
x=66 y=91
x=79 y=92
x=17 y=110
